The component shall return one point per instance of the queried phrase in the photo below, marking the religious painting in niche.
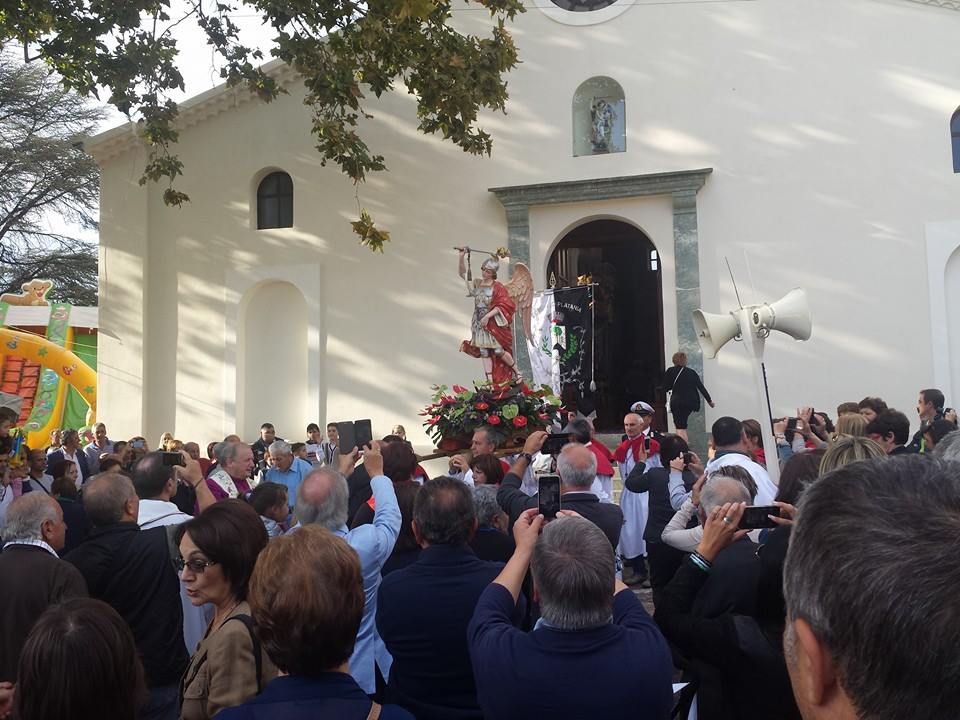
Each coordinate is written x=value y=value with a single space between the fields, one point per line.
x=599 y=118
x=583 y=5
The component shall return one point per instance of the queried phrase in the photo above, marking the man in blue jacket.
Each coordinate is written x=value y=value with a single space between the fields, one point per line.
x=595 y=652
x=423 y=610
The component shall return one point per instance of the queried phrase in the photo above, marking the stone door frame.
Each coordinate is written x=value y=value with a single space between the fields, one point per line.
x=682 y=186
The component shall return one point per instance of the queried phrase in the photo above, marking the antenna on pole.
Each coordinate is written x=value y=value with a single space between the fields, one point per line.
x=737 y=292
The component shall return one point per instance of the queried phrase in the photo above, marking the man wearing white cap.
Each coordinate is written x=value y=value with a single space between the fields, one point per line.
x=641 y=446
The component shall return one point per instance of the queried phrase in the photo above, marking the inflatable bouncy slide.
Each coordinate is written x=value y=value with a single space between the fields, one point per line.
x=48 y=358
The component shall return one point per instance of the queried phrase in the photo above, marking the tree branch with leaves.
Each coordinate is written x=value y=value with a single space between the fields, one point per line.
x=343 y=50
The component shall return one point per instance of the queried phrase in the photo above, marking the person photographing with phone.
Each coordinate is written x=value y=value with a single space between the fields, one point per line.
x=589 y=619
x=737 y=662
x=577 y=469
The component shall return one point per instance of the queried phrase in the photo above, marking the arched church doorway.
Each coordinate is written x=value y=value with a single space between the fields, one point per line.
x=628 y=314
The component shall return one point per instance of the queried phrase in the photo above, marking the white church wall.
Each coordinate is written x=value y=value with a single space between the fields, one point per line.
x=826 y=124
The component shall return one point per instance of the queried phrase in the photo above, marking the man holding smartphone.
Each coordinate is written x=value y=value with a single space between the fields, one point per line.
x=577 y=468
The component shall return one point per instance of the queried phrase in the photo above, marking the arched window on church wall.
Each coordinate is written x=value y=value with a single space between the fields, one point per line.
x=275 y=201
x=599 y=117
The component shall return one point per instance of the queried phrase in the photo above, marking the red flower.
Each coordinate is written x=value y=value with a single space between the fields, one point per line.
x=526 y=390
x=493 y=419
x=482 y=406
x=459 y=389
x=448 y=401
x=433 y=420
x=519 y=421
x=544 y=417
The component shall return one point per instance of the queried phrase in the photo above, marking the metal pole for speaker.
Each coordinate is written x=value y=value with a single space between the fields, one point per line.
x=755 y=345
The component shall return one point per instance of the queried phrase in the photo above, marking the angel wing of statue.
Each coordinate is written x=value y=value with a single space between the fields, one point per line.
x=520 y=290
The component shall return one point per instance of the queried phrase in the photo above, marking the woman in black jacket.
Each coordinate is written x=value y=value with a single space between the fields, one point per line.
x=677 y=477
x=686 y=387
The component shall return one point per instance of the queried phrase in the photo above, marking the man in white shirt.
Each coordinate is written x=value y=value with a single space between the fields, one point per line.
x=314 y=445
x=731 y=445
x=156 y=484
x=71 y=452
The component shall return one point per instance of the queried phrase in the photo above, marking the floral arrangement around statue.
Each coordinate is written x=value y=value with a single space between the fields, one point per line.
x=511 y=410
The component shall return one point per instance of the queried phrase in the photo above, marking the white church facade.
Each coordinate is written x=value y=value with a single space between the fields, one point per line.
x=645 y=144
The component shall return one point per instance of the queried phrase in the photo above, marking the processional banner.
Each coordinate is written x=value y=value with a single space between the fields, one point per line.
x=561 y=347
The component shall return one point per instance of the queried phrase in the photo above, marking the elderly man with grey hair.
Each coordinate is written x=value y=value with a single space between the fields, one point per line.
x=577 y=468
x=870 y=584
x=491 y=541
x=287 y=469
x=132 y=571
x=732 y=585
x=589 y=619
x=230 y=478
x=32 y=577
x=322 y=500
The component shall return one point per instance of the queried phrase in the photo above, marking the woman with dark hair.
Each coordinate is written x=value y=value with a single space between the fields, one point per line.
x=79 y=661
x=676 y=474
x=798 y=472
x=218 y=550
x=487 y=469
x=685 y=387
x=754 y=435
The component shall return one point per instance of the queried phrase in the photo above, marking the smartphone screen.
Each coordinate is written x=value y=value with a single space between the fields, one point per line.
x=348 y=436
x=172 y=458
x=363 y=433
x=548 y=495
x=554 y=443
x=755 y=517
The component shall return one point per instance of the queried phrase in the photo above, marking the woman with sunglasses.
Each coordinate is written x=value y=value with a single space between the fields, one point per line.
x=218 y=550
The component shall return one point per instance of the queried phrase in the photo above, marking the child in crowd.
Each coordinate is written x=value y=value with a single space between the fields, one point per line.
x=269 y=499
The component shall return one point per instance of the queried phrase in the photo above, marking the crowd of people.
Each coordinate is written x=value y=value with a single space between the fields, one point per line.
x=302 y=580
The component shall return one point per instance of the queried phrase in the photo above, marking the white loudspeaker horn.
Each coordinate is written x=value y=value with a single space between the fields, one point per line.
x=790 y=314
x=714 y=330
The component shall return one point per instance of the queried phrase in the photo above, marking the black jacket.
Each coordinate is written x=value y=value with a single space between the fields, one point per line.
x=32 y=581
x=656 y=482
x=131 y=570
x=606 y=516
x=739 y=663
x=431 y=675
x=732 y=584
x=686 y=386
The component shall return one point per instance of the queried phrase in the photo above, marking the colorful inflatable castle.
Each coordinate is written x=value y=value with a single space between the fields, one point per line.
x=48 y=357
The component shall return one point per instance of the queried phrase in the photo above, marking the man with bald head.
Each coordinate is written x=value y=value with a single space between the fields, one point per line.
x=322 y=499
x=131 y=570
x=34 y=578
x=577 y=468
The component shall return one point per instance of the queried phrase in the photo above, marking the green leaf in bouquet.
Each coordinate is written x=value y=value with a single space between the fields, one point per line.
x=510 y=411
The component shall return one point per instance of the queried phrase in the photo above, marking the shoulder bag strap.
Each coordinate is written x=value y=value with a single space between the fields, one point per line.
x=257 y=654
x=374 y=711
